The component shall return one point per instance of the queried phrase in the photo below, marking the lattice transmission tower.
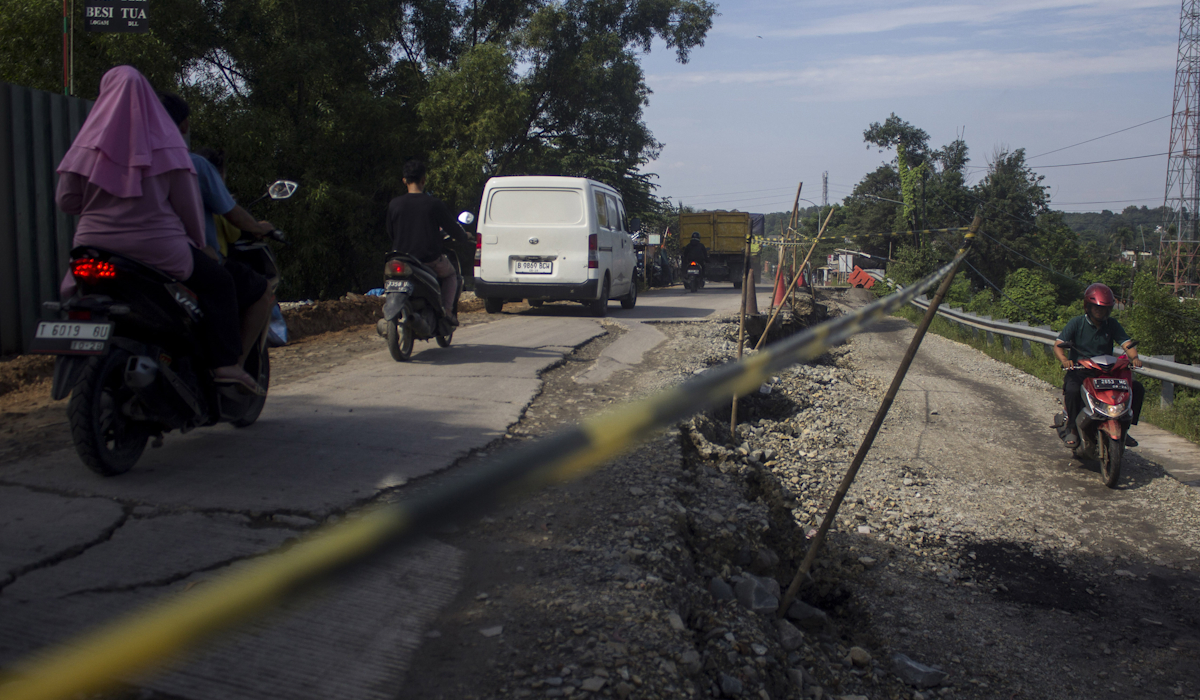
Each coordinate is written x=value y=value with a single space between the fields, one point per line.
x=1179 y=242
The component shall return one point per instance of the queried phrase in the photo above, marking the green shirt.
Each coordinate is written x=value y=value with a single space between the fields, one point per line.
x=1090 y=341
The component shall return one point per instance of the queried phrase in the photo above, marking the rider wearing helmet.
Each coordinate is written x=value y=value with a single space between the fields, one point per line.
x=1093 y=334
x=695 y=250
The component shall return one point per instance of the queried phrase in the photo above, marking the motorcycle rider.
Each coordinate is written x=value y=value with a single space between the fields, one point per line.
x=128 y=177
x=1093 y=334
x=254 y=296
x=413 y=223
x=695 y=251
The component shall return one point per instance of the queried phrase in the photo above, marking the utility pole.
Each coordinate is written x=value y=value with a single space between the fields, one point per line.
x=825 y=189
x=1179 y=245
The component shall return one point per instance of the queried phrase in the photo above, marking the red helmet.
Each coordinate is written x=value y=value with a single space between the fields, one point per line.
x=1099 y=294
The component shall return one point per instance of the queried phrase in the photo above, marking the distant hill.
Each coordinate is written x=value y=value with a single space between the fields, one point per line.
x=1099 y=226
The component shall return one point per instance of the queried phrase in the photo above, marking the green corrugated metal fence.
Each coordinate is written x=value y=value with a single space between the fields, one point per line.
x=36 y=128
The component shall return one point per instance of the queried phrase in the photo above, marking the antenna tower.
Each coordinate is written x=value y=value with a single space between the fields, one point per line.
x=825 y=188
x=1179 y=242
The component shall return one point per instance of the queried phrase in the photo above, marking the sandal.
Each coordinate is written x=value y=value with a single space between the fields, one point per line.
x=1071 y=440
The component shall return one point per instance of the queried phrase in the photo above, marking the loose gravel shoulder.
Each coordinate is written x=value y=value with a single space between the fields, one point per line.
x=973 y=558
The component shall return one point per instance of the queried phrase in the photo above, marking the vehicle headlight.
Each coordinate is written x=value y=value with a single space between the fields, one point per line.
x=1114 y=410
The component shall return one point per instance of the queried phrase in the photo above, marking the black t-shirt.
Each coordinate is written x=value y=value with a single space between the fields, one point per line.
x=695 y=251
x=415 y=223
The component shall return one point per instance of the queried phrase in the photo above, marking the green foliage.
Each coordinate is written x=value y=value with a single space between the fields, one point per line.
x=1028 y=296
x=340 y=100
x=982 y=303
x=1161 y=323
x=960 y=292
x=911 y=264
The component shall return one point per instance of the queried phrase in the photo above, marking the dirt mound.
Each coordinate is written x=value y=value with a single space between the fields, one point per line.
x=351 y=310
x=21 y=371
x=332 y=315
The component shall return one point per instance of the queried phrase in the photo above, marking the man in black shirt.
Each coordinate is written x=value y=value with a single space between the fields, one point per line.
x=695 y=250
x=415 y=222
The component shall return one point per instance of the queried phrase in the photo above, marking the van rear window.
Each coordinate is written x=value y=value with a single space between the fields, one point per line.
x=535 y=207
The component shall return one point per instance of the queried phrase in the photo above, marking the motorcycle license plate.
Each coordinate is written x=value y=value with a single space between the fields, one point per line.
x=71 y=338
x=398 y=286
x=1106 y=384
x=693 y=272
x=534 y=267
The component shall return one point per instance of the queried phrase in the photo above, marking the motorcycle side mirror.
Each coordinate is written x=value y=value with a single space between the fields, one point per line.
x=1066 y=345
x=466 y=218
x=282 y=189
x=635 y=225
x=1132 y=344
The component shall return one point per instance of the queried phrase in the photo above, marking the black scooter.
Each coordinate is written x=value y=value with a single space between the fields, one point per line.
x=128 y=345
x=412 y=307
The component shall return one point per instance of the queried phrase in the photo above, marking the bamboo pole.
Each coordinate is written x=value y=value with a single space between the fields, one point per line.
x=799 y=271
x=869 y=439
x=746 y=289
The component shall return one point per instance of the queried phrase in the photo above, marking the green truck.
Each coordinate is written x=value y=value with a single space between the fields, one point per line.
x=724 y=234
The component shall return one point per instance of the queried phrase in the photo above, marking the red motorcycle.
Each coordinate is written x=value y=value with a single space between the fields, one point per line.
x=1106 y=415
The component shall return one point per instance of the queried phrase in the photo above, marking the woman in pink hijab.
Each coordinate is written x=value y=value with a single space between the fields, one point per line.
x=129 y=178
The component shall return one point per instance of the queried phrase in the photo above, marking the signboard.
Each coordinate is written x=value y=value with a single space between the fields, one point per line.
x=117 y=16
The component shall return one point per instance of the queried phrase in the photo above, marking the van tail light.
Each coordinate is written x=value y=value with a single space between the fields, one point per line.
x=91 y=271
x=478 y=248
x=395 y=268
x=593 y=247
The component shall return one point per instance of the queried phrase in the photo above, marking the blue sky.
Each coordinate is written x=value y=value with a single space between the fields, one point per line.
x=782 y=91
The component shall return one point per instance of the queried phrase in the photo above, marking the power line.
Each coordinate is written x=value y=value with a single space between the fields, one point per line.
x=1099 y=137
x=1097 y=162
x=1111 y=201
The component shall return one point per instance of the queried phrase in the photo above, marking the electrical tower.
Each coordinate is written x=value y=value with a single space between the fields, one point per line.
x=825 y=188
x=1179 y=242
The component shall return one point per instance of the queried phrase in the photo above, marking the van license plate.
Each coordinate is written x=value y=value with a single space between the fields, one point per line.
x=397 y=286
x=532 y=267
x=70 y=338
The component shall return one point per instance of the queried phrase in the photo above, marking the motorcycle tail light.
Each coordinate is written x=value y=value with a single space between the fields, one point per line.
x=91 y=271
x=79 y=315
x=395 y=268
x=593 y=247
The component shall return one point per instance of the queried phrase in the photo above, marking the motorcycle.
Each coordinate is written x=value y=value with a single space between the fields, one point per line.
x=1107 y=412
x=127 y=344
x=693 y=276
x=412 y=307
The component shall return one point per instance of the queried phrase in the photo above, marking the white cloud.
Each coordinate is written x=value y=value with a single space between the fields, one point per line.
x=892 y=18
x=882 y=76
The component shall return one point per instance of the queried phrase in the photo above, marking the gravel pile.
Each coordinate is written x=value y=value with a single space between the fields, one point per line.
x=660 y=576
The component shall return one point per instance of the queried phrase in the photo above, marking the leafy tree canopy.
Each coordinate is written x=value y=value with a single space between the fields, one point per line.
x=339 y=96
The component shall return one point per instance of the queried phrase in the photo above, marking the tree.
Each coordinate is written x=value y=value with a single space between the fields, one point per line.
x=1028 y=296
x=340 y=100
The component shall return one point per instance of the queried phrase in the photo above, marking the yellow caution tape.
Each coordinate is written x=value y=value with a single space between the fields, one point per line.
x=149 y=637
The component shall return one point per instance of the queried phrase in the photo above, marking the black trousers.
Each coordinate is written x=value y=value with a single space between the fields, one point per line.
x=1073 y=399
x=221 y=326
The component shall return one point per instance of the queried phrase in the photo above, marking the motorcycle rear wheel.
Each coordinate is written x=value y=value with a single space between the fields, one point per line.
x=1111 y=452
x=258 y=365
x=400 y=336
x=107 y=441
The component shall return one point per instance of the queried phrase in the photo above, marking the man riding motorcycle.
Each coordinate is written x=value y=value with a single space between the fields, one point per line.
x=414 y=223
x=695 y=251
x=1093 y=334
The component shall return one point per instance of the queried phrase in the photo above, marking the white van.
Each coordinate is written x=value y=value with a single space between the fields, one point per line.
x=553 y=238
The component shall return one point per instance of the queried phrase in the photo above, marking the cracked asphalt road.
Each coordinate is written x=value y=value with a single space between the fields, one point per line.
x=77 y=549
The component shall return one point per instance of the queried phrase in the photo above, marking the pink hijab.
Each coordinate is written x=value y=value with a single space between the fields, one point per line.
x=128 y=135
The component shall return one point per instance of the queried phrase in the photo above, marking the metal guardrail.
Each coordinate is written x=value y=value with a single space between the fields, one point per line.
x=1158 y=368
